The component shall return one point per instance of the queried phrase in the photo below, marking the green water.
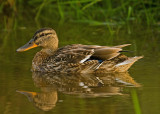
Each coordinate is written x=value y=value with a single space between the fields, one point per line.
x=23 y=92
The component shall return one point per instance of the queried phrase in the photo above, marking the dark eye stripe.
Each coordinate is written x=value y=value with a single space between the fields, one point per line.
x=48 y=33
x=43 y=34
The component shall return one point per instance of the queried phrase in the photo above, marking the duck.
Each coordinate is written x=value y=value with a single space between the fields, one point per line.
x=75 y=58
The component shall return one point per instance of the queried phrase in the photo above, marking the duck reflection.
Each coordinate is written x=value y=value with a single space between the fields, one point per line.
x=45 y=100
x=82 y=85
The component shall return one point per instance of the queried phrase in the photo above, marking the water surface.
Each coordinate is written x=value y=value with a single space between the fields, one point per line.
x=128 y=93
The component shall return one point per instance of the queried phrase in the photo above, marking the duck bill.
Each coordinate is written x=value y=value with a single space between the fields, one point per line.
x=27 y=46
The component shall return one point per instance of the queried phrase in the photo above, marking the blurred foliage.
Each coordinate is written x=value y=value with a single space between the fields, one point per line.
x=94 y=12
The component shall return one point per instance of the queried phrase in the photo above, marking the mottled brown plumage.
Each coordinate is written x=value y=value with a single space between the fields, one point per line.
x=76 y=58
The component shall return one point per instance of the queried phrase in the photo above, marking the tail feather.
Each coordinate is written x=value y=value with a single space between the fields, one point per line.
x=125 y=65
x=121 y=46
x=114 y=66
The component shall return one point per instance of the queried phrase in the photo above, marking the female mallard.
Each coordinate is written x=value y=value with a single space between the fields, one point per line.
x=76 y=58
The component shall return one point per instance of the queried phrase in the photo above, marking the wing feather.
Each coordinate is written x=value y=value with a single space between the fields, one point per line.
x=73 y=54
x=78 y=53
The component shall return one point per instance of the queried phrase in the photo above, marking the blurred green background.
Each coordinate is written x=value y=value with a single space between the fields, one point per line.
x=110 y=13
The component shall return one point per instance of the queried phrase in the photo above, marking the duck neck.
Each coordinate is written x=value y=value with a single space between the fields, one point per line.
x=50 y=49
x=41 y=57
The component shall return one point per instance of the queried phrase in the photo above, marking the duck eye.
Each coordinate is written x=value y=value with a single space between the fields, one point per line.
x=42 y=34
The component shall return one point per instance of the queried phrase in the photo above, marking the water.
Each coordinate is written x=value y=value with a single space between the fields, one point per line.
x=136 y=92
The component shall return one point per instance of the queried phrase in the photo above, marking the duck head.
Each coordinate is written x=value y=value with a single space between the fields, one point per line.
x=45 y=38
